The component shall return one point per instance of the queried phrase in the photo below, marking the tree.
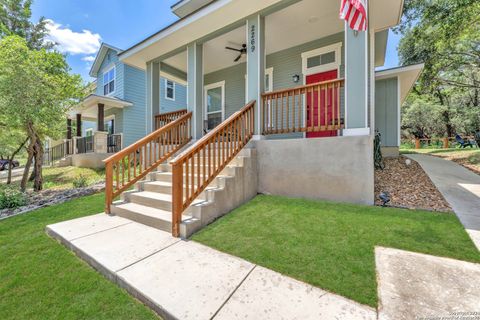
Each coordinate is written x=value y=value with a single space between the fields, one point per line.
x=15 y=20
x=36 y=92
x=11 y=143
x=445 y=35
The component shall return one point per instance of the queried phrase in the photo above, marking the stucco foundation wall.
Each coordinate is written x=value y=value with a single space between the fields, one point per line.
x=89 y=160
x=336 y=169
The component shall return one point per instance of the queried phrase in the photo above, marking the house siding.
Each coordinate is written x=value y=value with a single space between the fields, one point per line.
x=386 y=111
x=180 y=101
x=134 y=124
x=111 y=59
x=285 y=64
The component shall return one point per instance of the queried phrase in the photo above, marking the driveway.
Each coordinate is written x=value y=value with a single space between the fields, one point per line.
x=16 y=174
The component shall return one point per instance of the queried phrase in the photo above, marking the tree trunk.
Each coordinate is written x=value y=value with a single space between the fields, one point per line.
x=23 y=184
x=38 y=181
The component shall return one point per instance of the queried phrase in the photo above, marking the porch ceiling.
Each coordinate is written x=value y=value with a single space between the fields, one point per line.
x=301 y=22
x=283 y=29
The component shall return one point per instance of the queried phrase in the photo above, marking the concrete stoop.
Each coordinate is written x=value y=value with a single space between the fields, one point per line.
x=151 y=201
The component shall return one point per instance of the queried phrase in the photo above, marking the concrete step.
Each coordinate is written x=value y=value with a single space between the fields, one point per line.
x=228 y=170
x=167 y=177
x=152 y=217
x=155 y=200
x=164 y=187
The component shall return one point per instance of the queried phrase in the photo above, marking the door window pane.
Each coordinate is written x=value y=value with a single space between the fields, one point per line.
x=214 y=100
x=313 y=62
x=214 y=119
x=328 y=57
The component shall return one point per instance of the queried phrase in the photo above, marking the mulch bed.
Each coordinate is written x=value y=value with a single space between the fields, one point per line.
x=409 y=186
x=37 y=200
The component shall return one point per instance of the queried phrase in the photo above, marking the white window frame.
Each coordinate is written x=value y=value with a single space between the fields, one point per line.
x=87 y=131
x=220 y=84
x=166 y=89
x=269 y=72
x=114 y=81
x=336 y=47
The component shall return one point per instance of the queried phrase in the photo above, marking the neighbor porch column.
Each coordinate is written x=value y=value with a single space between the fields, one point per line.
x=69 y=129
x=153 y=94
x=101 y=117
x=79 y=125
x=195 y=87
x=356 y=83
x=256 y=64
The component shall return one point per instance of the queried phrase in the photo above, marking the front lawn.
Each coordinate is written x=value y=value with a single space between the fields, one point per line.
x=331 y=245
x=41 y=279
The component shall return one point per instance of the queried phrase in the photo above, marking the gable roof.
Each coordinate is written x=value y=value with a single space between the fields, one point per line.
x=100 y=56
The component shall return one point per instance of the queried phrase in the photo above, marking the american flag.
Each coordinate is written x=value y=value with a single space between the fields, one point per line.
x=355 y=13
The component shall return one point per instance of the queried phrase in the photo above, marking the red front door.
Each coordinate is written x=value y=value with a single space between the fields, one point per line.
x=319 y=119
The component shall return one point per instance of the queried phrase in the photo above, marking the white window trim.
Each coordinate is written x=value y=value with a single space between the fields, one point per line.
x=337 y=47
x=88 y=130
x=220 y=84
x=269 y=72
x=174 y=89
x=114 y=81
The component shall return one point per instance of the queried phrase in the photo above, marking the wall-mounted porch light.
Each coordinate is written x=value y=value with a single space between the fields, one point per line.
x=296 y=78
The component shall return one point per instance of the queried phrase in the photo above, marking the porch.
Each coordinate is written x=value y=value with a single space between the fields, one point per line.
x=91 y=135
x=264 y=81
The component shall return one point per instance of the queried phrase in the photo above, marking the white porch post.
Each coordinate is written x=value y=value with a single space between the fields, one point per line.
x=356 y=83
x=256 y=65
x=153 y=94
x=195 y=87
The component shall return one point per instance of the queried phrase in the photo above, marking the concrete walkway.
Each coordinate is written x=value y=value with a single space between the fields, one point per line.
x=186 y=280
x=459 y=186
x=419 y=286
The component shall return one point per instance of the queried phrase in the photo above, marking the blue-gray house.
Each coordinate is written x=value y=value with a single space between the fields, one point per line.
x=117 y=107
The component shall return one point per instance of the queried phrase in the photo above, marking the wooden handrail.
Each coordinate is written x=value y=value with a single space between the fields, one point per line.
x=197 y=167
x=309 y=108
x=165 y=118
x=137 y=160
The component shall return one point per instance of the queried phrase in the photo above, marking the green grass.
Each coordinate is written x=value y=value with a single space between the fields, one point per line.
x=41 y=279
x=62 y=177
x=331 y=245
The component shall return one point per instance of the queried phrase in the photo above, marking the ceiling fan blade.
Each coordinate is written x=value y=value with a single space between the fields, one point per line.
x=238 y=58
x=230 y=48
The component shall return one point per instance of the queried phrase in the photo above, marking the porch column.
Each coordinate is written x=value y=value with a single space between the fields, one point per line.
x=101 y=117
x=356 y=83
x=153 y=94
x=195 y=87
x=79 y=125
x=69 y=128
x=256 y=64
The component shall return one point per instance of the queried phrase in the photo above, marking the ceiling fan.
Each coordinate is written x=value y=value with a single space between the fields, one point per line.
x=242 y=51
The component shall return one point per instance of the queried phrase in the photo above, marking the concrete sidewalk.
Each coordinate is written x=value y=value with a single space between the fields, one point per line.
x=186 y=280
x=459 y=186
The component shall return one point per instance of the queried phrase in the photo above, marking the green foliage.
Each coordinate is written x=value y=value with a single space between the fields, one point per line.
x=445 y=35
x=11 y=197
x=36 y=88
x=80 y=181
x=422 y=118
x=15 y=20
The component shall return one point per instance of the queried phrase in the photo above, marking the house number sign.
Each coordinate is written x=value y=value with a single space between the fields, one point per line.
x=252 y=38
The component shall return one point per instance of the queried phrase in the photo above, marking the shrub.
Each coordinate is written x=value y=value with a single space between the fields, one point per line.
x=80 y=181
x=11 y=197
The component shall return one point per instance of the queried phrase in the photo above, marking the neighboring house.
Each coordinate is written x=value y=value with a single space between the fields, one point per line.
x=114 y=114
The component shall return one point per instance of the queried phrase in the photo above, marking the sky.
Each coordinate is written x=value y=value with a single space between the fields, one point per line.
x=80 y=26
